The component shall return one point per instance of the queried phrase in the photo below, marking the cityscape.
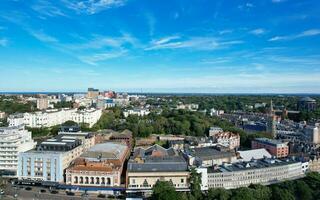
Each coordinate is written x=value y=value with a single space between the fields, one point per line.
x=159 y=100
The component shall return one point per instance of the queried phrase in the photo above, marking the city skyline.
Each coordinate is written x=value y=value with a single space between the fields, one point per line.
x=268 y=46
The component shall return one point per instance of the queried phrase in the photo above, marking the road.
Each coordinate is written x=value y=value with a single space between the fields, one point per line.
x=35 y=194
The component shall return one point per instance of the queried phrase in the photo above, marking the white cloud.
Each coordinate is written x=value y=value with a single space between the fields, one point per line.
x=47 y=9
x=93 y=6
x=43 y=37
x=258 y=31
x=246 y=6
x=196 y=43
x=3 y=42
x=226 y=31
x=307 y=33
x=278 y=1
x=99 y=42
x=98 y=57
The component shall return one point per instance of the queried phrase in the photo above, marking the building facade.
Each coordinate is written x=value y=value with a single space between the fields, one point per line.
x=54 y=117
x=274 y=147
x=147 y=166
x=101 y=165
x=227 y=139
x=265 y=172
x=49 y=160
x=13 y=140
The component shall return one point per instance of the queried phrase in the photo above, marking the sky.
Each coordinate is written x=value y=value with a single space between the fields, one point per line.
x=205 y=46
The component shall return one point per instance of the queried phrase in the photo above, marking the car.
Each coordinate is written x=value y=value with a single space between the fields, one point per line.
x=101 y=196
x=70 y=193
x=1 y=192
x=54 y=192
x=43 y=191
x=28 y=188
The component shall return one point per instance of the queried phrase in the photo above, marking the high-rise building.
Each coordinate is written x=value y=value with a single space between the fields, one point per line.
x=13 y=140
x=92 y=93
x=42 y=103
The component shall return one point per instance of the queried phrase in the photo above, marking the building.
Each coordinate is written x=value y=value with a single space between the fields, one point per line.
x=147 y=166
x=42 y=103
x=49 y=160
x=54 y=117
x=2 y=115
x=125 y=136
x=253 y=154
x=92 y=93
x=139 y=112
x=276 y=148
x=311 y=134
x=265 y=171
x=227 y=139
x=13 y=140
x=191 y=107
x=100 y=166
x=214 y=130
x=307 y=104
x=210 y=156
x=86 y=116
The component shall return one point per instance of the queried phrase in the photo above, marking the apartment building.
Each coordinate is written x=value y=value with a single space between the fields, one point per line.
x=265 y=171
x=49 y=160
x=276 y=148
x=13 y=140
x=54 y=117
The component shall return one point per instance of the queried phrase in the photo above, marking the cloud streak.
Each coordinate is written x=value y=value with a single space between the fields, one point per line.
x=307 y=33
x=3 y=42
x=93 y=6
x=195 y=43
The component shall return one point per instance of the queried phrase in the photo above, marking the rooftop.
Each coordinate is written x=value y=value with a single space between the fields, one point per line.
x=269 y=141
x=105 y=151
x=254 y=164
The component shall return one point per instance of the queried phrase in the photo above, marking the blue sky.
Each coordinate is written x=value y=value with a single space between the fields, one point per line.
x=160 y=45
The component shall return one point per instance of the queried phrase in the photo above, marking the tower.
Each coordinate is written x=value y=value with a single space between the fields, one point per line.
x=271 y=121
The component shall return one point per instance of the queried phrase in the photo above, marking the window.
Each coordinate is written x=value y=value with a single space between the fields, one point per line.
x=182 y=180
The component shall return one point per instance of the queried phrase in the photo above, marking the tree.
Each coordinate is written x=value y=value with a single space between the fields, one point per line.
x=303 y=191
x=218 y=194
x=281 y=194
x=261 y=192
x=164 y=190
x=195 y=184
x=243 y=193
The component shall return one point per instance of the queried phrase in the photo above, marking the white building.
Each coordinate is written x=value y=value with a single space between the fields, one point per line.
x=214 y=112
x=214 y=130
x=2 y=115
x=87 y=116
x=49 y=160
x=54 y=117
x=264 y=171
x=139 y=112
x=13 y=140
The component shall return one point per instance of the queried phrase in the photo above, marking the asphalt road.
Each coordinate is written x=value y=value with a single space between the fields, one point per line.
x=35 y=194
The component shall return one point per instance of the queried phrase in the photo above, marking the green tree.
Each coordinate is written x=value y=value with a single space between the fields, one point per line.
x=281 y=194
x=195 y=184
x=261 y=192
x=303 y=191
x=164 y=190
x=218 y=194
x=243 y=193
